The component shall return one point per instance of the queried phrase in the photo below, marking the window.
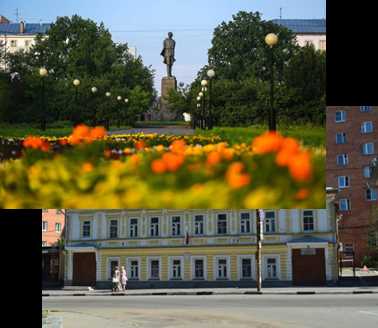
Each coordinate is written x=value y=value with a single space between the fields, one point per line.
x=86 y=228
x=322 y=44
x=58 y=227
x=368 y=148
x=367 y=172
x=365 y=108
x=343 y=181
x=308 y=221
x=112 y=265
x=342 y=159
x=176 y=269
x=246 y=268
x=270 y=224
x=344 y=204
x=198 y=224
x=13 y=43
x=134 y=270
x=198 y=269
x=222 y=269
x=44 y=225
x=176 y=226
x=154 y=227
x=113 y=228
x=133 y=228
x=44 y=243
x=371 y=194
x=340 y=116
x=154 y=273
x=340 y=138
x=245 y=223
x=367 y=127
x=271 y=268
x=222 y=224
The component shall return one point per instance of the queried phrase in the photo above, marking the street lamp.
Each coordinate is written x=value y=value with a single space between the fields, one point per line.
x=94 y=91
x=43 y=74
x=119 y=98
x=271 y=40
x=211 y=75
x=76 y=84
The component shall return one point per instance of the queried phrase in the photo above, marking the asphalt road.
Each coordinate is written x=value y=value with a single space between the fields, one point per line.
x=176 y=130
x=261 y=311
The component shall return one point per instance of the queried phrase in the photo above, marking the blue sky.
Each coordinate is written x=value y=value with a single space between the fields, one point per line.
x=144 y=23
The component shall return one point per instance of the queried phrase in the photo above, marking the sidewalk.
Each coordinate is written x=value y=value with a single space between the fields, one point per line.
x=217 y=291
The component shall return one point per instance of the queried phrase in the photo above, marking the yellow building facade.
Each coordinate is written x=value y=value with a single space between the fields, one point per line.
x=199 y=248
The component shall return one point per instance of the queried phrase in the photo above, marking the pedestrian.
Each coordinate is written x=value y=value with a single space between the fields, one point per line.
x=123 y=278
x=116 y=280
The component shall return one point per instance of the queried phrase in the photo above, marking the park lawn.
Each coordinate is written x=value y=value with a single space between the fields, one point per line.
x=313 y=136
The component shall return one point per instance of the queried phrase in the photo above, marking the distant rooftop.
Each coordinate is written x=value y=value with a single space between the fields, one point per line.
x=303 y=26
x=31 y=29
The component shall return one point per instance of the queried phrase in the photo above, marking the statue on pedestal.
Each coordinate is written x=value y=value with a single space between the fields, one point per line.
x=168 y=53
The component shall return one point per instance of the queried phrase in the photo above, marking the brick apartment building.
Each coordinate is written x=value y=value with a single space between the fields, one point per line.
x=352 y=144
x=52 y=255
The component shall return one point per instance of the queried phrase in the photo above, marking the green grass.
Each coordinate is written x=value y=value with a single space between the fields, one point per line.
x=310 y=135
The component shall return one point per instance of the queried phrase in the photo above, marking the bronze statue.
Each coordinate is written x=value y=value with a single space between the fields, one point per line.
x=168 y=53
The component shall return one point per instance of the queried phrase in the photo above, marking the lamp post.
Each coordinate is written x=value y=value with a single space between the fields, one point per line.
x=210 y=74
x=200 y=95
x=119 y=98
x=271 y=40
x=43 y=74
x=204 y=89
x=76 y=84
x=107 y=121
x=94 y=121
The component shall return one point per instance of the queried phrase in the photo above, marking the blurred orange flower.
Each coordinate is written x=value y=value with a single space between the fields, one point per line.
x=267 y=143
x=302 y=194
x=36 y=143
x=235 y=176
x=87 y=167
x=158 y=166
x=178 y=146
x=213 y=158
x=173 y=161
x=300 y=166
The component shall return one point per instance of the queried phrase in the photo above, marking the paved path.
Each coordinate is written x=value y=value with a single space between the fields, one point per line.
x=261 y=311
x=176 y=130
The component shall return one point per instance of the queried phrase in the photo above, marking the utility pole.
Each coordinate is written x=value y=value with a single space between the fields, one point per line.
x=260 y=215
x=280 y=13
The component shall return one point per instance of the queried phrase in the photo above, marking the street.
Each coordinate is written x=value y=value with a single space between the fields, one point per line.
x=262 y=311
x=175 y=130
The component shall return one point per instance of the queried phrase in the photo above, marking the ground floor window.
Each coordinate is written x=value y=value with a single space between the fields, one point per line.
x=199 y=269
x=246 y=268
x=134 y=270
x=271 y=268
x=176 y=269
x=155 y=269
x=221 y=269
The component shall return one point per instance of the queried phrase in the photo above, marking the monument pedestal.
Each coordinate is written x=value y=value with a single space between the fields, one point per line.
x=167 y=84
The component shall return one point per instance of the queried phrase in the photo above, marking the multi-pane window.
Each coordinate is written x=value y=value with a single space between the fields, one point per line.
x=44 y=225
x=198 y=224
x=365 y=108
x=340 y=138
x=113 y=228
x=371 y=194
x=367 y=172
x=58 y=227
x=154 y=273
x=222 y=269
x=112 y=266
x=340 y=116
x=246 y=268
x=308 y=221
x=176 y=226
x=367 y=127
x=342 y=159
x=270 y=221
x=343 y=181
x=86 y=228
x=368 y=148
x=198 y=269
x=271 y=268
x=154 y=227
x=344 y=204
x=176 y=269
x=222 y=224
x=133 y=228
x=245 y=223
x=134 y=270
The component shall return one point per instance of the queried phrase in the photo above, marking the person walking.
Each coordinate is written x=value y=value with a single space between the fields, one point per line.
x=123 y=278
x=116 y=280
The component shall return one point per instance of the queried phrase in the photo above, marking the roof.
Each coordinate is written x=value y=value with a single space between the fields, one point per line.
x=308 y=239
x=30 y=29
x=303 y=26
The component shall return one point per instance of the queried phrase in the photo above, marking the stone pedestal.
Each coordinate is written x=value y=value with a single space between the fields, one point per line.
x=167 y=84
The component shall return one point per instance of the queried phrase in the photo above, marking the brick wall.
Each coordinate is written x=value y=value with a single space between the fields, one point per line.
x=52 y=216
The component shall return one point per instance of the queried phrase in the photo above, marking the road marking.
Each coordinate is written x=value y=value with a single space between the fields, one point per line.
x=367 y=312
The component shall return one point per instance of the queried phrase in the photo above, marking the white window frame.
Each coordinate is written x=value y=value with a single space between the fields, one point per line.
x=343 y=181
x=128 y=267
x=345 y=159
x=137 y=227
x=313 y=220
x=365 y=146
x=249 y=220
x=373 y=191
x=108 y=268
x=365 y=125
x=180 y=224
x=270 y=225
x=344 y=138
x=215 y=267
x=193 y=271
x=365 y=170
x=45 y=228
x=203 y=224
x=109 y=228
x=343 y=116
x=217 y=221
x=240 y=267
x=347 y=201
x=58 y=224
x=265 y=266
x=149 y=260
x=150 y=226
x=365 y=109
x=170 y=261
x=82 y=229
